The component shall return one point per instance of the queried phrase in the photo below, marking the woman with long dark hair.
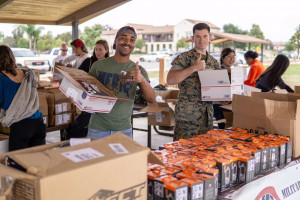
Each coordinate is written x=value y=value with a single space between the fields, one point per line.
x=256 y=68
x=272 y=76
x=19 y=103
x=101 y=51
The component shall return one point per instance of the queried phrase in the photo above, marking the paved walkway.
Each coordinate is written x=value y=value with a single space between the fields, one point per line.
x=139 y=136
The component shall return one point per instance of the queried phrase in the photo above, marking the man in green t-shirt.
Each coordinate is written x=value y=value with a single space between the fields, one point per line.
x=122 y=76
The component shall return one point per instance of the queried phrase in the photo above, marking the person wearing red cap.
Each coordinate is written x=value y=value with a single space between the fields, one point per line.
x=122 y=76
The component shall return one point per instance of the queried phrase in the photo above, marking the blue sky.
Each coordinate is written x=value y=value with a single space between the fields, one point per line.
x=277 y=19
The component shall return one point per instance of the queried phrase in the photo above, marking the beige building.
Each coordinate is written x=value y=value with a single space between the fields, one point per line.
x=160 y=37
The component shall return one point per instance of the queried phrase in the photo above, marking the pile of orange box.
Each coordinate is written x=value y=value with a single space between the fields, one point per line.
x=199 y=167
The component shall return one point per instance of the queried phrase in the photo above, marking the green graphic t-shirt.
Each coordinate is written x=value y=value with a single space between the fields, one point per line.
x=115 y=76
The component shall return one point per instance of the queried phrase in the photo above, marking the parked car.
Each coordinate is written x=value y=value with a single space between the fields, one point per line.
x=26 y=57
x=167 y=51
x=51 y=54
x=177 y=53
x=153 y=56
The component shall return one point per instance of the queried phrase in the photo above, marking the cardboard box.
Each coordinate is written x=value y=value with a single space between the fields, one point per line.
x=60 y=108
x=60 y=119
x=297 y=89
x=43 y=107
x=3 y=143
x=162 y=113
x=5 y=130
x=45 y=120
x=215 y=84
x=269 y=113
x=82 y=99
x=114 y=167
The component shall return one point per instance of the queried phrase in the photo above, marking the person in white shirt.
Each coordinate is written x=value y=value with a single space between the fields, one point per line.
x=63 y=54
x=80 y=54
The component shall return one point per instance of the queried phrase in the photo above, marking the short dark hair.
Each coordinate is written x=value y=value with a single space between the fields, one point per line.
x=251 y=54
x=225 y=52
x=7 y=60
x=201 y=26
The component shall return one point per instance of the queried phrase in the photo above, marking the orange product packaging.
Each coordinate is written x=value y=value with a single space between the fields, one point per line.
x=225 y=173
x=176 y=190
x=246 y=168
x=158 y=187
x=154 y=173
x=210 y=186
x=195 y=187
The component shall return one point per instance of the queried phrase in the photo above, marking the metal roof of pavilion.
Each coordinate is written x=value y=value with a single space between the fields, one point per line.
x=54 y=12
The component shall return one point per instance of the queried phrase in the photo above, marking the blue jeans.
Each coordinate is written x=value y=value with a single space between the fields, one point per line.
x=102 y=134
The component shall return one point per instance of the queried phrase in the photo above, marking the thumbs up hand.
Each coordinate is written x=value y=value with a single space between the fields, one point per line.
x=136 y=74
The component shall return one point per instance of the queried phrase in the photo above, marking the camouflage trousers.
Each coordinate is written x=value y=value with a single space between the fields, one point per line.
x=192 y=119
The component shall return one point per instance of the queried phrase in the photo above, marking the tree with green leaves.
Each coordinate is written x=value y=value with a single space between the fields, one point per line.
x=22 y=43
x=256 y=32
x=65 y=37
x=295 y=40
x=140 y=43
x=231 y=28
x=182 y=44
x=91 y=35
x=18 y=33
x=1 y=36
x=32 y=32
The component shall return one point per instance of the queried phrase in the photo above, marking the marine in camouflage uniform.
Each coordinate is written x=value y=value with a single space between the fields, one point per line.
x=192 y=115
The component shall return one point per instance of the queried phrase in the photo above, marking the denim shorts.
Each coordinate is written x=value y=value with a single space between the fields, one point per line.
x=102 y=134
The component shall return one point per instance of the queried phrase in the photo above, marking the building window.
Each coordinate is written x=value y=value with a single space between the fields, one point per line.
x=164 y=46
x=170 y=46
x=157 y=47
x=151 y=47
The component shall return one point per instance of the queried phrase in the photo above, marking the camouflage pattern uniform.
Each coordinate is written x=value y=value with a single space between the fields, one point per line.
x=192 y=116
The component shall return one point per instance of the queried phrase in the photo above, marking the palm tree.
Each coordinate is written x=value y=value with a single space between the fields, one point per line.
x=32 y=32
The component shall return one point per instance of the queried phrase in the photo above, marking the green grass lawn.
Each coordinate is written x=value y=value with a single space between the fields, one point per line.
x=291 y=76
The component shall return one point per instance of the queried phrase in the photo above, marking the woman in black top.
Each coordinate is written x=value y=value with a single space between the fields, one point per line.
x=271 y=78
x=101 y=51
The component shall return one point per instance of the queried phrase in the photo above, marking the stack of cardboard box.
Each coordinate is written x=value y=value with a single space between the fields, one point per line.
x=162 y=113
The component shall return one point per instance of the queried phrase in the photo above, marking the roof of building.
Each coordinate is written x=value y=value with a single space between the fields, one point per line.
x=144 y=29
x=219 y=38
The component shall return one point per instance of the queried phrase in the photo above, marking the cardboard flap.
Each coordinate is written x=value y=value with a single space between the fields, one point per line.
x=154 y=108
x=152 y=158
x=228 y=106
x=59 y=160
x=214 y=78
x=172 y=105
x=76 y=74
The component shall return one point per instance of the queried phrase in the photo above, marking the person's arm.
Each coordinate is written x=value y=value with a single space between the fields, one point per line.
x=251 y=77
x=283 y=85
x=69 y=59
x=145 y=86
x=177 y=76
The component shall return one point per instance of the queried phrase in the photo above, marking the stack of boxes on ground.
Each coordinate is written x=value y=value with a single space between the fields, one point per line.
x=199 y=167
x=114 y=167
x=56 y=107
